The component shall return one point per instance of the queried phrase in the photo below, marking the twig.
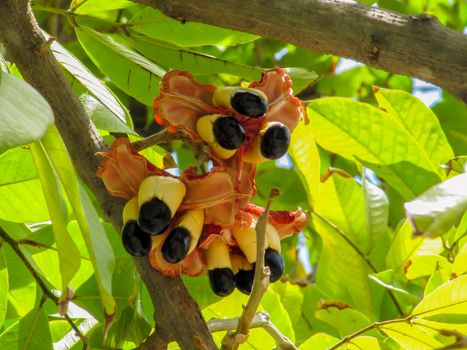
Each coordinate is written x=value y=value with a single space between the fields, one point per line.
x=349 y=337
x=260 y=320
x=232 y=340
x=47 y=292
x=155 y=139
x=362 y=255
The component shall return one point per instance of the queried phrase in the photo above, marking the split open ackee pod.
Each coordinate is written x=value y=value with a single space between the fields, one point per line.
x=246 y=101
x=135 y=241
x=220 y=272
x=158 y=199
x=182 y=240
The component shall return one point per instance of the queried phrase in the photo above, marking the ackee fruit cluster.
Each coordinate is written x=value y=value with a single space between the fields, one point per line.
x=205 y=223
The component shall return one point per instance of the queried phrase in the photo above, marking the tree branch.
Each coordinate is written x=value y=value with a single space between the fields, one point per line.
x=25 y=45
x=261 y=319
x=417 y=46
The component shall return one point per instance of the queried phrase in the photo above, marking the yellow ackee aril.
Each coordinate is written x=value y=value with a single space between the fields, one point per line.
x=222 y=96
x=130 y=210
x=217 y=255
x=204 y=126
x=239 y=262
x=193 y=221
x=168 y=189
x=246 y=240
x=274 y=241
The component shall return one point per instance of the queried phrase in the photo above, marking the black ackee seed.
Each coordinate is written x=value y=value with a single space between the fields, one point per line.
x=176 y=245
x=275 y=262
x=248 y=103
x=229 y=132
x=135 y=241
x=222 y=281
x=275 y=141
x=244 y=280
x=154 y=216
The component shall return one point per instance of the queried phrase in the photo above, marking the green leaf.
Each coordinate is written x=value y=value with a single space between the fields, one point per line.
x=402 y=247
x=68 y=253
x=459 y=266
x=301 y=77
x=90 y=7
x=181 y=58
x=97 y=243
x=421 y=123
x=436 y=279
x=129 y=328
x=365 y=133
x=411 y=337
x=340 y=201
x=278 y=315
x=4 y=286
x=102 y=117
x=439 y=208
x=200 y=290
x=30 y=333
x=306 y=159
x=131 y=72
x=25 y=114
x=155 y=24
x=101 y=92
x=362 y=342
x=319 y=341
x=424 y=265
x=449 y=298
x=346 y=320
x=452 y=115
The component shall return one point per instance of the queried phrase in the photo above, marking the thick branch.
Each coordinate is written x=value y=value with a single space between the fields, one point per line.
x=26 y=46
x=417 y=46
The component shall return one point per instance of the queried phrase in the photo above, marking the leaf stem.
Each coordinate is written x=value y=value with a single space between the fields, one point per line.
x=362 y=255
x=155 y=139
x=232 y=340
x=47 y=292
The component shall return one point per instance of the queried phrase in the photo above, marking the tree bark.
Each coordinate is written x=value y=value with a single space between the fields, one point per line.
x=417 y=46
x=27 y=47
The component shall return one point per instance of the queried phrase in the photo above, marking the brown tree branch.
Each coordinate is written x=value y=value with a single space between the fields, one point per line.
x=417 y=46
x=25 y=45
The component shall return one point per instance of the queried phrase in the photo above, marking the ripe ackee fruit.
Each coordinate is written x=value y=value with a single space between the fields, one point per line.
x=183 y=238
x=220 y=272
x=135 y=241
x=159 y=198
x=246 y=101
x=272 y=142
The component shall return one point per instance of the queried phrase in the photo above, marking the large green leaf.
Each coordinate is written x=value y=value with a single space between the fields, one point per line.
x=97 y=243
x=278 y=314
x=90 y=7
x=25 y=114
x=420 y=122
x=449 y=298
x=155 y=24
x=342 y=272
x=306 y=159
x=68 y=253
x=30 y=333
x=319 y=341
x=439 y=208
x=127 y=69
x=452 y=114
x=402 y=247
x=181 y=58
x=411 y=337
x=365 y=133
x=345 y=320
x=3 y=286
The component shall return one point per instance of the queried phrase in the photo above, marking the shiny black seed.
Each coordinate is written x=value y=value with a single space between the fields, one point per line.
x=248 y=103
x=229 y=132
x=275 y=262
x=154 y=216
x=222 y=281
x=135 y=241
x=275 y=141
x=175 y=247
x=244 y=280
